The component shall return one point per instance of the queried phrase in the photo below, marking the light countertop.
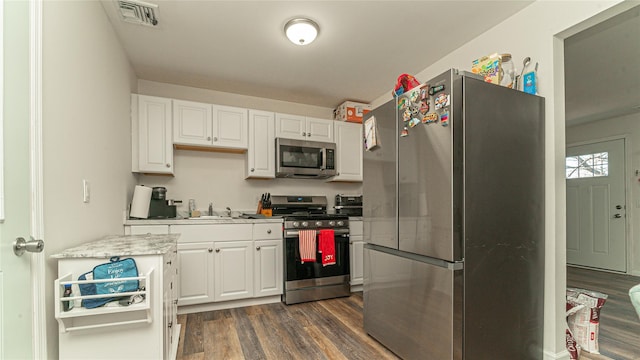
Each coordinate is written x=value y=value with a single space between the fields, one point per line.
x=122 y=245
x=180 y=221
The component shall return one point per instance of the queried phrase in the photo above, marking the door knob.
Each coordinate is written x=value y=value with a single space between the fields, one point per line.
x=617 y=216
x=258 y=248
x=21 y=245
x=618 y=207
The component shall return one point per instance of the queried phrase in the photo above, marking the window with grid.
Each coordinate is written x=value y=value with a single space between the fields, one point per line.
x=587 y=166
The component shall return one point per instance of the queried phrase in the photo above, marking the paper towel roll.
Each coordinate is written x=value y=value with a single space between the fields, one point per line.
x=140 y=202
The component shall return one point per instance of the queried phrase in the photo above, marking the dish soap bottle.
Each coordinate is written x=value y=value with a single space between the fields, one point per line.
x=67 y=305
x=530 y=79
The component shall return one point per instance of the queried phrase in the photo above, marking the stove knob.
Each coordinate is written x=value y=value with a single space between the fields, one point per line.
x=332 y=223
x=305 y=224
x=318 y=223
x=296 y=224
x=340 y=223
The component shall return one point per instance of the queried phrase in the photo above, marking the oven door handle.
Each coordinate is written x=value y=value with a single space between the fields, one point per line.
x=337 y=232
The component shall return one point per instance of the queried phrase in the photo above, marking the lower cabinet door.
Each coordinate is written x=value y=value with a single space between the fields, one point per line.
x=233 y=270
x=268 y=268
x=195 y=274
x=357 y=263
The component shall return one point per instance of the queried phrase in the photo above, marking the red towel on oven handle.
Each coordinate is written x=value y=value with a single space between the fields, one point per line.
x=327 y=245
x=307 y=244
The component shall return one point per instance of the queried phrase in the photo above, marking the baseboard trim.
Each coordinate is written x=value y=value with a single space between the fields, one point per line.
x=562 y=355
x=188 y=309
x=635 y=273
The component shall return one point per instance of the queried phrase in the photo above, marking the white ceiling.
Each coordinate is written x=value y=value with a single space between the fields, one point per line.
x=240 y=46
x=602 y=70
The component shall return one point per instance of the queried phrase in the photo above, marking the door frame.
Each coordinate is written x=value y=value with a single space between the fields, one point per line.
x=629 y=211
x=39 y=324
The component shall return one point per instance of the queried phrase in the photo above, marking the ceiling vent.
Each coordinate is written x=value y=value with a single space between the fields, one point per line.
x=138 y=12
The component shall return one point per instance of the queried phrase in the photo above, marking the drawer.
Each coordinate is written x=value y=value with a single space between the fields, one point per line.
x=267 y=231
x=355 y=228
x=147 y=229
x=221 y=232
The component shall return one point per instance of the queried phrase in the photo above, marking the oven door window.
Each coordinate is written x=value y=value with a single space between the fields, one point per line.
x=300 y=157
x=296 y=270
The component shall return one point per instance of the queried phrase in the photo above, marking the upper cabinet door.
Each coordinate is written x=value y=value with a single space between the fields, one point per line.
x=319 y=129
x=192 y=123
x=154 y=135
x=349 y=145
x=261 y=154
x=291 y=127
x=230 y=127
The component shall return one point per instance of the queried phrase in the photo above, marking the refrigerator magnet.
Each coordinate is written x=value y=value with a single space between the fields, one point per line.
x=414 y=96
x=406 y=114
x=430 y=118
x=424 y=107
x=436 y=89
x=413 y=122
x=444 y=118
x=424 y=93
x=405 y=132
x=441 y=101
x=402 y=103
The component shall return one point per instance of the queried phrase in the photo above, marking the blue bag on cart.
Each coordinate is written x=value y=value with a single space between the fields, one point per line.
x=115 y=269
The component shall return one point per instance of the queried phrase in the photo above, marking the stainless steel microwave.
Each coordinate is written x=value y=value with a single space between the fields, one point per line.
x=305 y=159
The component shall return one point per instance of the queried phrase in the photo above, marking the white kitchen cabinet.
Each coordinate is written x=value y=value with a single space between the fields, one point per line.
x=198 y=262
x=209 y=126
x=304 y=128
x=349 y=147
x=261 y=151
x=229 y=127
x=268 y=259
x=96 y=332
x=192 y=123
x=196 y=273
x=356 y=252
x=233 y=270
x=152 y=150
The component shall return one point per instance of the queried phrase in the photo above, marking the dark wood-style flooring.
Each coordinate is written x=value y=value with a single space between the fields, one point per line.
x=332 y=329
x=619 y=324
x=328 y=329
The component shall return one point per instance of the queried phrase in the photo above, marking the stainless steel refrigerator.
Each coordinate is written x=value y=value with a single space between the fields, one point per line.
x=454 y=221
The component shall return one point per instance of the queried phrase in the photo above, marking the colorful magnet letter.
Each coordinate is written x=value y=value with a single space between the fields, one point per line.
x=441 y=101
x=444 y=118
x=430 y=118
x=413 y=122
x=405 y=132
x=435 y=89
x=402 y=103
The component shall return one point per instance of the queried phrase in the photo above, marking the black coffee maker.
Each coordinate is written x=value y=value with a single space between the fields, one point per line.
x=160 y=207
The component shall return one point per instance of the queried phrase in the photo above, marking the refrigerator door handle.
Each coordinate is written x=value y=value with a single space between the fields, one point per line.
x=456 y=265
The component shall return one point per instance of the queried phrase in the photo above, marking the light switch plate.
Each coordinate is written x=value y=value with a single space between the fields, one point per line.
x=86 y=191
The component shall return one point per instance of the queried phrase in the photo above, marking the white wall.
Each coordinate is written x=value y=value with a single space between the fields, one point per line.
x=87 y=81
x=629 y=126
x=219 y=177
x=535 y=32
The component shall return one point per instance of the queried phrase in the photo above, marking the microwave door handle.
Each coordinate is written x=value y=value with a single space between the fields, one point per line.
x=323 y=158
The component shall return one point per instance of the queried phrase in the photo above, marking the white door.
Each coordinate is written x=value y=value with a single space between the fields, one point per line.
x=596 y=208
x=21 y=285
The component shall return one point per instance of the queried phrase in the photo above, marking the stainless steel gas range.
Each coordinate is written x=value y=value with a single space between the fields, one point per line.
x=307 y=228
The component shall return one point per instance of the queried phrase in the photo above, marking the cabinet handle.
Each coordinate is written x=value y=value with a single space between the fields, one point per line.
x=210 y=250
x=215 y=138
x=169 y=262
x=258 y=248
x=252 y=169
x=170 y=324
x=175 y=302
x=304 y=134
x=309 y=134
x=268 y=231
x=217 y=250
x=208 y=138
x=168 y=165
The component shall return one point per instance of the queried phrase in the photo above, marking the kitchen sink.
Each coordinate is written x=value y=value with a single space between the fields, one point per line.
x=210 y=217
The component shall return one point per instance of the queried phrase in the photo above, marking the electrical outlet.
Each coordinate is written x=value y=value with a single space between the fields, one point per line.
x=86 y=191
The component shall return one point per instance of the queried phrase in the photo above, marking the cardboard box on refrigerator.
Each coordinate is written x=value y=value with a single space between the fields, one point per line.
x=351 y=111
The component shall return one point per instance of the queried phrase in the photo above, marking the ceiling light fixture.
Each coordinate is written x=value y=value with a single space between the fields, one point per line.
x=301 y=31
